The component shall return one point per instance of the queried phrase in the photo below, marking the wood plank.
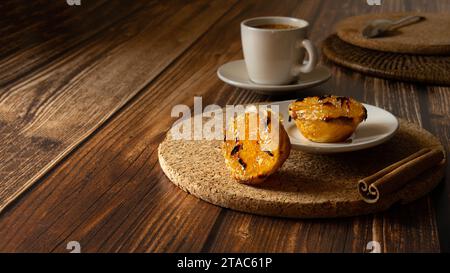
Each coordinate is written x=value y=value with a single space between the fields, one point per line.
x=403 y=100
x=398 y=223
x=131 y=201
x=263 y=234
x=47 y=115
x=111 y=195
x=437 y=105
x=28 y=29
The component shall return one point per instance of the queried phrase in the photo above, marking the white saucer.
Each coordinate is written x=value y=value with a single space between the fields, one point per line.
x=235 y=73
x=379 y=127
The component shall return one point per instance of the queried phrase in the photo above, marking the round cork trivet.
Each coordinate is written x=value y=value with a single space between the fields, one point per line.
x=307 y=186
x=405 y=67
x=430 y=36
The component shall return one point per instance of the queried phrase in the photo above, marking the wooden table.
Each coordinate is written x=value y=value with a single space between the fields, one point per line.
x=85 y=99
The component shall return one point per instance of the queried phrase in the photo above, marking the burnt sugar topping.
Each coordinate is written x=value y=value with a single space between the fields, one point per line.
x=327 y=118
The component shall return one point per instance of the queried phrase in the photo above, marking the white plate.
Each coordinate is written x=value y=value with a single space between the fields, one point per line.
x=235 y=73
x=379 y=127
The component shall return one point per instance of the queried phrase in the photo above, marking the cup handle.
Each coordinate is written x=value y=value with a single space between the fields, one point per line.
x=313 y=58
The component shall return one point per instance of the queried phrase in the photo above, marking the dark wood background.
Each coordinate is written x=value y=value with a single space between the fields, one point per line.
x=85 y=98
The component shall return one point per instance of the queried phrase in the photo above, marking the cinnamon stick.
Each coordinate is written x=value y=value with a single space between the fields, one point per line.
x=397 y=175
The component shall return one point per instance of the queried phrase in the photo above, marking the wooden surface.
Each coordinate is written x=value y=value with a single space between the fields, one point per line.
x=85 y=99
x=425 y=69
x=307 y=185
x=51 y=112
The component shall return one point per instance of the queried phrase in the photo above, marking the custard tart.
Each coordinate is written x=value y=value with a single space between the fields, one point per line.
x=253 y=153
x=327 y=119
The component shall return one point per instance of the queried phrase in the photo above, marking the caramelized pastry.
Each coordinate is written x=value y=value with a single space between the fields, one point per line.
x=327 y=119
x=252 y=159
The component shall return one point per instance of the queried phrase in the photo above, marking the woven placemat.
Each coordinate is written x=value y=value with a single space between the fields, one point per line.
x=405 y=67
x=431 y=36
x=307 y=186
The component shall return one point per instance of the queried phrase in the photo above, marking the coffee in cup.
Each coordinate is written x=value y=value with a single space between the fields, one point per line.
x=275 y=26
x=274 y=49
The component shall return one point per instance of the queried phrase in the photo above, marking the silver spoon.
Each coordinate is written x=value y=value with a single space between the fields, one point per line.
x=378 y=27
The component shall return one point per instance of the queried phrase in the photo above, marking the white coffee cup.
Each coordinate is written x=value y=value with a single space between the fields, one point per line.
x=275 y=56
